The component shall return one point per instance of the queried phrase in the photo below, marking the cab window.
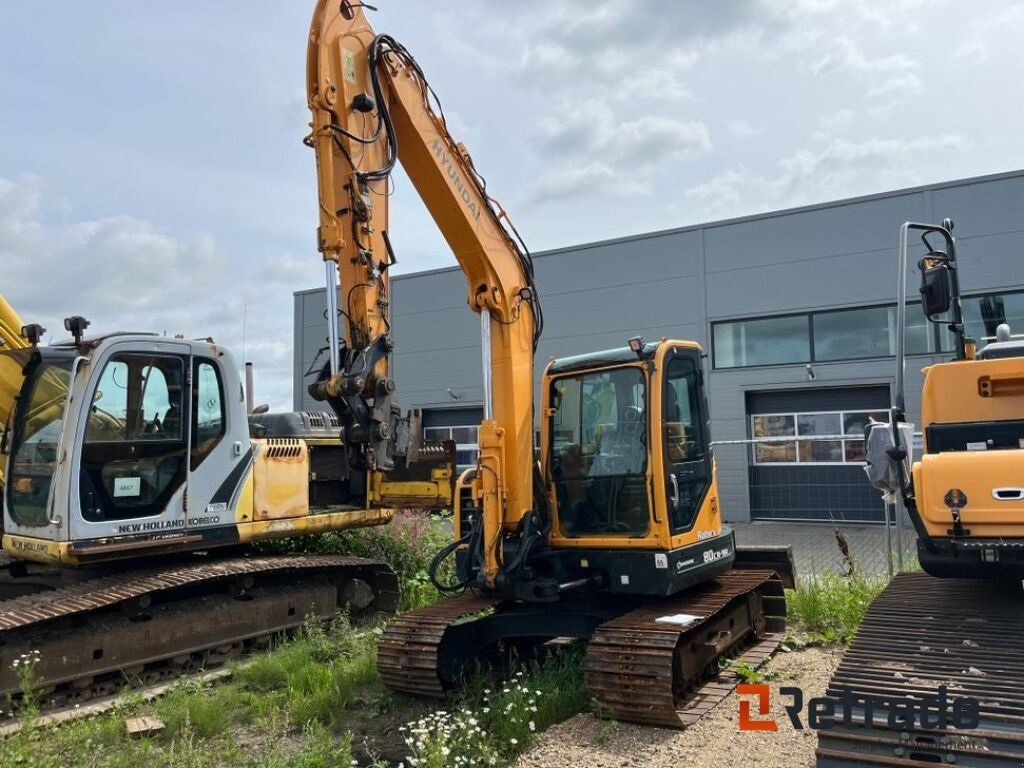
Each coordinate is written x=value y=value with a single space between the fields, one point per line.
x=599 y=452
x=209 y=424
x=684 y=427
x=38 y=422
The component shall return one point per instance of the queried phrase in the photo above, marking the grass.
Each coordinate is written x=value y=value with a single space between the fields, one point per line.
x=408 y=543
x=316 y=700
x=101 y=743
x=316 y=680
x=287 y=704
x=291 y=708
x=828 y=608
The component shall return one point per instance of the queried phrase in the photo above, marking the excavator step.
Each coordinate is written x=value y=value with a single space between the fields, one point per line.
x=151 y=624
x=920 y=634
x=637 y=668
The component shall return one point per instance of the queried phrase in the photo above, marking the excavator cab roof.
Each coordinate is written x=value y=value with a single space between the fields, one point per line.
x=94 y=341
x=607 y=357
x=602 y=358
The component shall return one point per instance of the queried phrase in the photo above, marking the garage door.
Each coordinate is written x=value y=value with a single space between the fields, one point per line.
x=814 y=471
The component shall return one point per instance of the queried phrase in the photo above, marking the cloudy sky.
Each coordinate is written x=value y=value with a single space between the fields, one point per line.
x=152 y=175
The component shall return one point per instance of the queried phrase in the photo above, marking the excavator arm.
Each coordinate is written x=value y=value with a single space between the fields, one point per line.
x=372 y=107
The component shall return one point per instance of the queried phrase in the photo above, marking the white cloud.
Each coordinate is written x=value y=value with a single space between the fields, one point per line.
x=127 y=274
x=989 y=31
x=848 y=54
x=741 y=129
x=898 y=86
x=629 y=150
x=838 y=120
x=582 y=127
x=837 y=169
x=654 y=139
x=581 y=181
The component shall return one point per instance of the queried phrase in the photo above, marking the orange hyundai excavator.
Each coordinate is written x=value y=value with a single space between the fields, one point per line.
x=135 y=477
x=612 y=532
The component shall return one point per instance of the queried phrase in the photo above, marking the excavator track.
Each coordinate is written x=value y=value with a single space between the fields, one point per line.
x=151 y=624
x=919 y=634
x=637 y=669
x=408 y=656
x=644 y=671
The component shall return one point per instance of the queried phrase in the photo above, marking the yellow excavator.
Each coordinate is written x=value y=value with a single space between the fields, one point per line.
x=946 y=640
x=965 y=496
x=612 y=531
x=135 y=478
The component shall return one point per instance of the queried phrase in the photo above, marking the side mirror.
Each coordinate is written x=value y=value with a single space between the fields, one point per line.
x=936 y=286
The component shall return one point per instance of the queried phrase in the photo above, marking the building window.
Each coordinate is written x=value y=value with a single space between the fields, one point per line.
x=467 y=448
x=821 y=437
x=772 y=341
x=842 y=334
x=870 y=332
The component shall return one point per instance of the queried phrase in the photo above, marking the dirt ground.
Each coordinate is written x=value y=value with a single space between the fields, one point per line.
x=714 y=742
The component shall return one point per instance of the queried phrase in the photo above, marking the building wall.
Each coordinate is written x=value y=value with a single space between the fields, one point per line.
x=677 y=283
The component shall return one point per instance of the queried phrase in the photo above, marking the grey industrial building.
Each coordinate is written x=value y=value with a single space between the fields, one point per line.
x=794 y=308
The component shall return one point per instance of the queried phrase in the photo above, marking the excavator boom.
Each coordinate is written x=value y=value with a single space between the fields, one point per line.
x=372 y=107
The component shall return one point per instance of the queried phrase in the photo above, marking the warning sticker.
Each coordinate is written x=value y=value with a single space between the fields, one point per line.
x=348 y=65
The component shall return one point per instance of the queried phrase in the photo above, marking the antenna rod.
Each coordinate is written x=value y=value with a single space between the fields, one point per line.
x=250 y=394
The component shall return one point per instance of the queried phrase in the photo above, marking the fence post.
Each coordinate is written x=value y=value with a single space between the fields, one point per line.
x=888 y=538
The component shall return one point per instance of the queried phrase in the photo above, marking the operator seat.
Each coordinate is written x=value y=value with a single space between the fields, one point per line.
x=623 y=450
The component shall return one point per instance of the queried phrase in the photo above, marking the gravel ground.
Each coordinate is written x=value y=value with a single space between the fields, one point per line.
x=715 y=741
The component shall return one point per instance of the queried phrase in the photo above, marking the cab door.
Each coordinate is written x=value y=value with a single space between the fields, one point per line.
x=220 y=456
x=684 y=435
x=133 y=456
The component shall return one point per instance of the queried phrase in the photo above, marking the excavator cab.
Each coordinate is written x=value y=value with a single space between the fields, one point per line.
x=629 y=481
x=628 y=465
x=134 y=445
x=126 y=444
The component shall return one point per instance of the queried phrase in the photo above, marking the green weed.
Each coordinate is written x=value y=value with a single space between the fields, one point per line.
x=829 y=608
x=319 y=676
x=408 y=543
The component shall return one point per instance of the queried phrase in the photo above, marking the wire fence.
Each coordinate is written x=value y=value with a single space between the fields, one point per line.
x=812 y=487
